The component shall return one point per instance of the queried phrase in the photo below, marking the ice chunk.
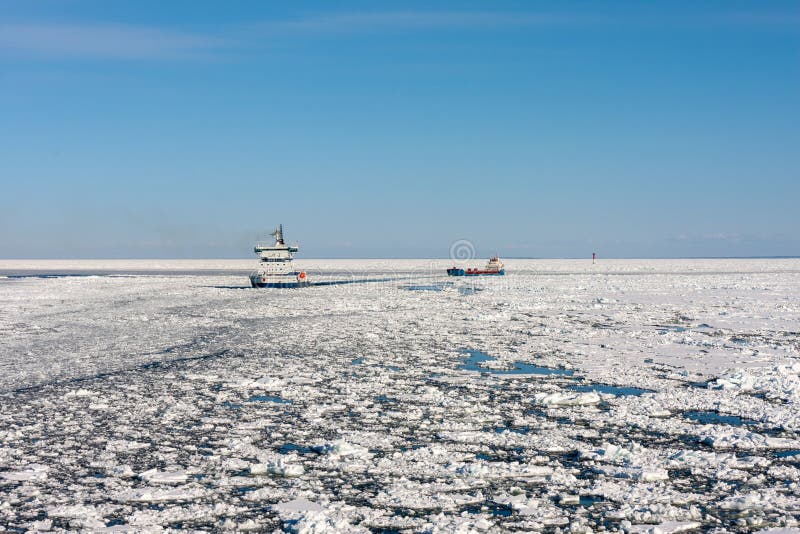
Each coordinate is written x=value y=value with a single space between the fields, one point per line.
x=615 y=453
x=569 y=499
x=653 y=474
x=32 y=472
x=737 y=379
x=278 y=466
x=154 y=476
x=80 y=393
x=341 y=447
x=667 y=527
x=738 y=438
x=752 y=501
x=121 y=445
x=160 y=495
x=121 y=471
x=297 y=505
x=567 y=399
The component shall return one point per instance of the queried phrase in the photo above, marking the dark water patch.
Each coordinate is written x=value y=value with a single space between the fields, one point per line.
x=243 y=490
x=552 y=414
x=48 y=276
x=432 y=287
x=269 y=398
x=490 y=507
x=683 y=472
x=620 y=391
x=787 y=454
x=574 y=461
x=500 y=455
x=476 y=357
x=149 y=366
x=761 y=395
x=248 y=286
x=352 y=281
x=589 y=500
x=716 y=418
x=469 y=290
x=510 y=453
x=287 y=448
x=232 y=405
x=663 y=329
x=357 y=361
x=584 y=501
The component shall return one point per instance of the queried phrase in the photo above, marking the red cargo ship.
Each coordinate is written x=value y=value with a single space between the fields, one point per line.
x=495 y=267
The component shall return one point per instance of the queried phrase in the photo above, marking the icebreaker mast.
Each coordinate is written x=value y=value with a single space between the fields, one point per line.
x=278 y=235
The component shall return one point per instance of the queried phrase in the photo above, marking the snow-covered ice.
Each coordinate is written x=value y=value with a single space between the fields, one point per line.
x=639 y=396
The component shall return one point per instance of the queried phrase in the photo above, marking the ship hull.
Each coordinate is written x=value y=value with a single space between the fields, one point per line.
x=474 y=272
x=289 y=281
x=279 y=285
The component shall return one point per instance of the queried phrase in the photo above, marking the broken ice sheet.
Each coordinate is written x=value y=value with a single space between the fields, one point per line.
x=157 y=401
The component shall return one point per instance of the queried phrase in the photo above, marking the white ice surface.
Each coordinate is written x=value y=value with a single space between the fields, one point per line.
x=167 y=394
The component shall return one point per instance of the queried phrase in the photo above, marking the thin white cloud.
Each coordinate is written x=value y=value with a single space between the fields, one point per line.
x=421 y=20
x=789 y=19
x=727 y=237
x=112 y=41
x=102 y=41
x=640 y=17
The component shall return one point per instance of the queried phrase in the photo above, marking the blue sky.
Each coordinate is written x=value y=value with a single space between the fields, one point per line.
x=377 y=129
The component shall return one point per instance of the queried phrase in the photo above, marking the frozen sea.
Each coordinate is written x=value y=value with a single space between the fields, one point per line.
x=631 y=395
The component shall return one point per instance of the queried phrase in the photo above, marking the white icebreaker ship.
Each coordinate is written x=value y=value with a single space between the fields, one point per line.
x=275 y=268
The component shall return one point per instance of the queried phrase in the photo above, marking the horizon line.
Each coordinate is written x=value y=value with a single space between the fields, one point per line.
x=588 y=258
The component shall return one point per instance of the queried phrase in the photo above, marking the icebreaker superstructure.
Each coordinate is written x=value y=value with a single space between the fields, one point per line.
x=275 y=267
